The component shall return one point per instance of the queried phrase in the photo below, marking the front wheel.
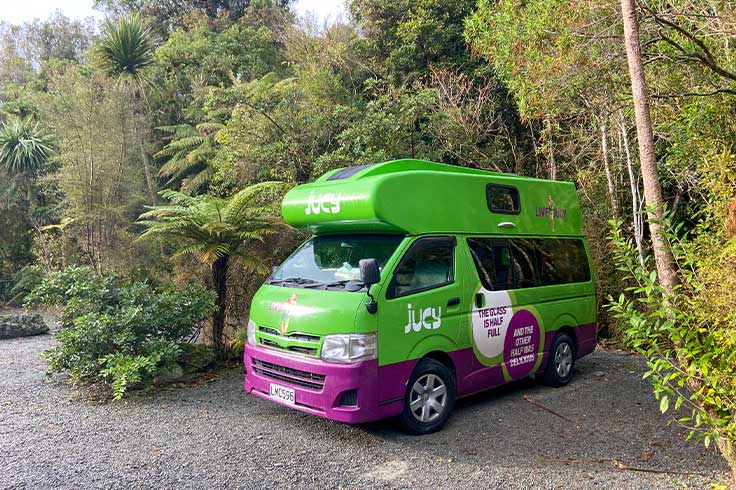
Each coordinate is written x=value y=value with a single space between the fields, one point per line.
x=429 y=399
x=561 y=363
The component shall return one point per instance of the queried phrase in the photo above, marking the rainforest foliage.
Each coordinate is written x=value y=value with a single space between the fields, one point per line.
x=195 y=115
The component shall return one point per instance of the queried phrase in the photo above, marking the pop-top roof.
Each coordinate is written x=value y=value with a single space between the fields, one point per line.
x=415 y=197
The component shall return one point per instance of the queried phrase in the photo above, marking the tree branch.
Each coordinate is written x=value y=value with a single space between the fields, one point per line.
x=706 y=57
x=695 y=94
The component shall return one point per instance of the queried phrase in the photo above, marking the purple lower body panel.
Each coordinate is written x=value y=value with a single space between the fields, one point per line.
x=586 y=339
x=365 y=391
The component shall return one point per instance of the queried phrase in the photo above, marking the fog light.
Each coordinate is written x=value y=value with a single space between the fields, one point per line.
x=349 y=398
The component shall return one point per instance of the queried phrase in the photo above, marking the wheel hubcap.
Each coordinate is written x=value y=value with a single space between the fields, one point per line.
x=563 y=359
x=428 y=398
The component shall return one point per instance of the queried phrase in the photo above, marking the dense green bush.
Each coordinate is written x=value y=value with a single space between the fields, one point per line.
x=115 y=331
x=689 y=337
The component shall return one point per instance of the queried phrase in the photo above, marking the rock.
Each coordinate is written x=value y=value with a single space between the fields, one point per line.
x=169 y=374
x=22 y=325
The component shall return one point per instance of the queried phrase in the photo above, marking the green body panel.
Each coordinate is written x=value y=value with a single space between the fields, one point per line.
x=294 y=311
x=417 y=197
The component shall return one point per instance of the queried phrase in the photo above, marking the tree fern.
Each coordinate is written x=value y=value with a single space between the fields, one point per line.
x=215 y=230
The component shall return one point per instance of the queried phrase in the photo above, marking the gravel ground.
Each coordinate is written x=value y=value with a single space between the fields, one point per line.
x=214 y=436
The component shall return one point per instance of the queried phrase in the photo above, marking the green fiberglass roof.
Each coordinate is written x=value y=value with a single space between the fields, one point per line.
x=415 y=197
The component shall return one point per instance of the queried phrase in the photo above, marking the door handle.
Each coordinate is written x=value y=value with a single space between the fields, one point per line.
x=480 y=300
x=453 y=301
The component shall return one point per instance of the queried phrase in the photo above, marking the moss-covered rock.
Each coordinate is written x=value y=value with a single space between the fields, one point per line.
x=22 y=325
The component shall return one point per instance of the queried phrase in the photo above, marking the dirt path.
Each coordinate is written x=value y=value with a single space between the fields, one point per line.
x=214 y=436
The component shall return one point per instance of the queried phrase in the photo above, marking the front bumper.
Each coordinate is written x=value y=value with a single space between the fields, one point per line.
x=320 y=388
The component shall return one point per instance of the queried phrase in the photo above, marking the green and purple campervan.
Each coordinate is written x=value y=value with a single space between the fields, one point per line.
x=421 y=283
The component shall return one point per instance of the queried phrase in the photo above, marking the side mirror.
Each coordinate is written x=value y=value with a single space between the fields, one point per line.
x=369 y=272
x=370 y=275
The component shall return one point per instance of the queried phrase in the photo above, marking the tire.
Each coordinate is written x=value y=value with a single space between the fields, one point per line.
x=561 y=362
x=424 y=393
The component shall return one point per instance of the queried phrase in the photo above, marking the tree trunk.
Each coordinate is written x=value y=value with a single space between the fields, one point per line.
x=635 y=201
x=142 y=130
x=652 y=188
x=219 y=279
x=729 y=454
x=609 y=175
x=550 y=152
x=147 y=168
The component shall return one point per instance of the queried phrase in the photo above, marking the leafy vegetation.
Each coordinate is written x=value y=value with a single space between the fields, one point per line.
x=23 y=147
x=126 y=49
x=216 y=231
x=689 y=338
x=180 y=111
x=118 y=331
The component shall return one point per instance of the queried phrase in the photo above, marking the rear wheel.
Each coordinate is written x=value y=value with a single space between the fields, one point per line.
x=561 y=363
x=429 y=399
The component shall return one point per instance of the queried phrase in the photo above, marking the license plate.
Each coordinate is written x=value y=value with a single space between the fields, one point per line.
x=282 y=393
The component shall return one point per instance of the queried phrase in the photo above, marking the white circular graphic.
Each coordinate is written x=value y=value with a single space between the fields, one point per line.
x=491 y=322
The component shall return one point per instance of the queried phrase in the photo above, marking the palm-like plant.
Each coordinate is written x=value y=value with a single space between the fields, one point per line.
x=126 y=49
x=217 y=230
x=188 y=155
x=124 y=53
x=24 y=147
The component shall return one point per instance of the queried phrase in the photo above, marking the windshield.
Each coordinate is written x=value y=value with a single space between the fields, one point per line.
x=332 y=261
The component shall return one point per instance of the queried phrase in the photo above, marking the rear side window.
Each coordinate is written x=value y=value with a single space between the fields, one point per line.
x=562 y=262
x=502 y=199
x=528 y=262
x=429 y=263
x=492 y=260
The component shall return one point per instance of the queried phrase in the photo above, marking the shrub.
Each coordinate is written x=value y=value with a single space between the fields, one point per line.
x=689 y=338
x=115 y=331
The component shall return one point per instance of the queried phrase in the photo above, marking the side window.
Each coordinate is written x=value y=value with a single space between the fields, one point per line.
x=493 y=261
x=526 y=268
x=562 y=262
x=502 y=199
x=526 y=263
x=428 y=264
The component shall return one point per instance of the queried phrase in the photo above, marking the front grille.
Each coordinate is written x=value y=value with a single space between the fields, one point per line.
x=302 y=350
x=289 y=375
x=271 y=337
x=292 y=348
x=294 y=336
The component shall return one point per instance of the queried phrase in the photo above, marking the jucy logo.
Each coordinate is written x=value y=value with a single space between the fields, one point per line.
x=286 y=309
x=423 y=316
x=328 y=203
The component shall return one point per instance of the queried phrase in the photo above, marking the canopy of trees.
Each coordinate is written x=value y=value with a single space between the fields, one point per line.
x=206 y=99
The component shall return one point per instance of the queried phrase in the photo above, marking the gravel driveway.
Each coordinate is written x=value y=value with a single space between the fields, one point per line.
x=214 y=436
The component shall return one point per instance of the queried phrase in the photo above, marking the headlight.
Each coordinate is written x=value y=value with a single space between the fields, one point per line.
x=348 y=348
x=251 y=332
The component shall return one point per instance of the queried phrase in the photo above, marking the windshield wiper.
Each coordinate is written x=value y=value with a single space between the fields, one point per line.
x=293 y=280
x=355 y=284
x=337 y=283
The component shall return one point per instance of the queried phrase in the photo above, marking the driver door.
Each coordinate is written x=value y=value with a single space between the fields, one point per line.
x=422 y=299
